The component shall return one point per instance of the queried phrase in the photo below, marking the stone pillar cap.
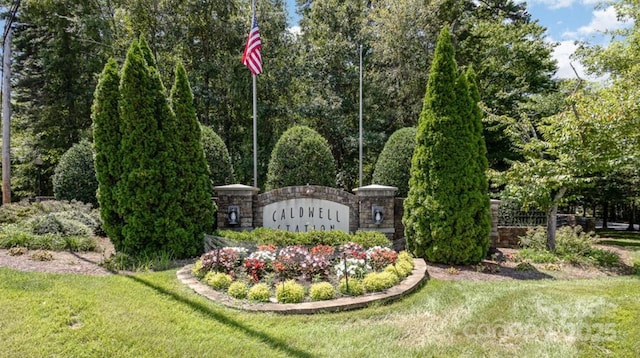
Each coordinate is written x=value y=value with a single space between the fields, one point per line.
x=375 y=187
x=236 y=187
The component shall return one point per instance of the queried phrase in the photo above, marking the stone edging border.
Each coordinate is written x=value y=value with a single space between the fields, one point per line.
x=406 y=286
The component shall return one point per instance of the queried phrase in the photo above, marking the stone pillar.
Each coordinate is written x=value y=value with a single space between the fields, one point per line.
x=235 y=197
x=377 y=199
x=494 y=236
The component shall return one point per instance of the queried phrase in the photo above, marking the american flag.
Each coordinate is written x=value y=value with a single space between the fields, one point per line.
x=251 y=56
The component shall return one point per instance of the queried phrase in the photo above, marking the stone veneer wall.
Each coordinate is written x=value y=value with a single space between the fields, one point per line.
x=308 y=191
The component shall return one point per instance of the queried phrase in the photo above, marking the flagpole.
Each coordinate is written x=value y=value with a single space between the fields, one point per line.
x=255 y=133
x=255 y=114
x=361 y=116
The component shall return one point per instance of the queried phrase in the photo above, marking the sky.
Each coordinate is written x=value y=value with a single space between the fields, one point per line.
x=567 y=21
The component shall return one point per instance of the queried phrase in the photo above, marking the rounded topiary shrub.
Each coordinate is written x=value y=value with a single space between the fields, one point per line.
x=301 y=156
x=259 y=292
x=322 y=291
x=379 y=281
x=75 y=175
x=354 y=287
x=394 y=163
x=238 y=290
x=218 y=280
x=289 y=292
x=217 y=157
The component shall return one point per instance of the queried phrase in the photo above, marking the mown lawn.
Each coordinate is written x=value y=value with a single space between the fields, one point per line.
x=153 y=315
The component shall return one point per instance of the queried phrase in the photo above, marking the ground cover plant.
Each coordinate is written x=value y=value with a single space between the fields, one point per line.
x=573 y=246
x=49 y=225
x=153 y=314
x=296 y=273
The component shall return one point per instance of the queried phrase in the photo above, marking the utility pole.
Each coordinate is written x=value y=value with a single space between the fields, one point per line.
x=6 y=104
x=6 y=116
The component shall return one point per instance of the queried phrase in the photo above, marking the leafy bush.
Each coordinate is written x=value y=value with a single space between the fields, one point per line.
x=223 y=260
x=379 y=281
x=572 y=245
x=281 y=238
x=198 y=269
x=57 y=224
x=301 y=156
x=322 y=291
x=394 y=163
x=289 y=292
x=218 y=280
x=400 y=269
x=354 y=287
x=370 y=239
x=238 y=290
x=379 y=257
x=259 y=292
x=14 y=235
x=217 y=157
x=75 y=175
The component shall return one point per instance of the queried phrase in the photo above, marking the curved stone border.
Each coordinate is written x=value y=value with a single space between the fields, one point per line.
x=406 y=286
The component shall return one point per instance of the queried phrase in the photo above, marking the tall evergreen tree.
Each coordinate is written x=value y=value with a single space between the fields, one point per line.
x=106 y=138
x=145 y=202
x=194 y=184
x=440 y=211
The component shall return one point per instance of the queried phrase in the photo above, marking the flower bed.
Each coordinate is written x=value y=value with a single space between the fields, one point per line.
x=297 y=273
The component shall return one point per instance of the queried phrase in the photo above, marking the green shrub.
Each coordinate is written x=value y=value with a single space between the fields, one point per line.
x=447 y=210
x=379 y=281
x=289 y=292
x=197 y=269
x=604 y=258
x=400 y=269
x=283 y=238
x=218 y=280
x=535 y=238
x=217 y=157
x=93 y=222
x=75 y=176
x=356 y=288
x=301 y=156
x=259 y=292
x=80 y=243
x=394 y=163
x=322 y=291
x=524 y=266
x=406 y=257
x=56 y=224
x=238 y=290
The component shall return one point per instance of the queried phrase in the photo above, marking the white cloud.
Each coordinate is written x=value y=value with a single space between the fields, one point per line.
x=602 y=20
x=552 y=4
x=561 y=53
x=295 y=30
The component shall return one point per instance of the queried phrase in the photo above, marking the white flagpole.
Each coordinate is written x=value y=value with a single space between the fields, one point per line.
x=255 y=133
x=361 y=116
x=255 y=114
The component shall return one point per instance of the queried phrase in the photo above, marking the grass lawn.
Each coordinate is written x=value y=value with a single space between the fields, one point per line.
x=153 y=315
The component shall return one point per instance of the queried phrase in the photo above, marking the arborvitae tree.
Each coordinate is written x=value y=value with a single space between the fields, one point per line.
x=301 y=156
x=194 y=184
x=75 y=176
x=440 y=211
x=145 y=202
x=217 y=157
x=394 y=162
x=483 y=209
x=106 y=139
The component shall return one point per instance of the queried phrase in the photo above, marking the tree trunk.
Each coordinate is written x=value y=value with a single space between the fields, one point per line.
x=605 y=214
x=632 y=212
x=552 y=219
